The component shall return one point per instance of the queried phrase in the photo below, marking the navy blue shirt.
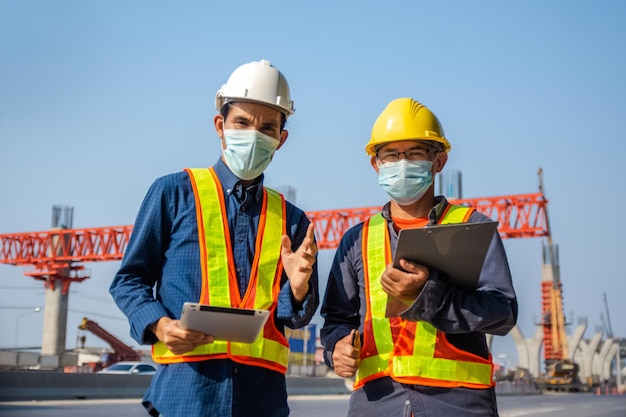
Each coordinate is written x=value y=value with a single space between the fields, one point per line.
x=161 y=270
x=464 y=315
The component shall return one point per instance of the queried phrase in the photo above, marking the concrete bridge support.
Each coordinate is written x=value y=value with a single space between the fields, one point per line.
x=584 y=356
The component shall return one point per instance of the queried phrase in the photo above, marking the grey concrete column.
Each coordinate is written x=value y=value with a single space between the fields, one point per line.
x=612 y=355
x=584 y=355
x=55 y=319
x=575 y=338
x=528 y=350
x=600 y=357
x=520 y=344
x=534 y=352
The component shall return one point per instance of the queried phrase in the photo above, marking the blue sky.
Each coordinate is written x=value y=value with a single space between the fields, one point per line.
x=99 y=98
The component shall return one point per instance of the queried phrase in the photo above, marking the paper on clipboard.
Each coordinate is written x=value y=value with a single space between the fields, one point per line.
x=458 y=250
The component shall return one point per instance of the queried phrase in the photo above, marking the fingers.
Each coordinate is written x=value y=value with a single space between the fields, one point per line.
x=307 y=249
x=180 y=340
x=285 y=244
x=308 y=246
x=404 y=285
x=346 y=355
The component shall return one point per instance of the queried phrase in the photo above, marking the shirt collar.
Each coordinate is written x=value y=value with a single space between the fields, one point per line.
x=229 y=180
x=433 y=216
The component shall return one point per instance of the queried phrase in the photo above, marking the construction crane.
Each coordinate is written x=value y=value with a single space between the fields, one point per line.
x=607 y=324
x=121 y=351
x=561 y=370
x=57 y=254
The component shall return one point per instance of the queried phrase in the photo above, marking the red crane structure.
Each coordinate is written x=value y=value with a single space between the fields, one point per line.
x=56 y=255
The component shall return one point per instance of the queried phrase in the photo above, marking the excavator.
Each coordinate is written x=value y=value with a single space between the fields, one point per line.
x=121 y=351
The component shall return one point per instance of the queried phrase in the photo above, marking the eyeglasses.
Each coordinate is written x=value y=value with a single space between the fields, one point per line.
x=418 y=154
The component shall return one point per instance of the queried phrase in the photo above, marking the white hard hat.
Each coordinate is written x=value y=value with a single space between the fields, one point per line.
x=259 y=82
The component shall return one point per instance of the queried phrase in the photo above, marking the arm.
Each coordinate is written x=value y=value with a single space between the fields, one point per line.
x=132 y=286
x=341 y=308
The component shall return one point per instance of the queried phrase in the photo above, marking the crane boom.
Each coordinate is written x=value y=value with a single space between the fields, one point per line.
x=121 y=351
x=519 y=216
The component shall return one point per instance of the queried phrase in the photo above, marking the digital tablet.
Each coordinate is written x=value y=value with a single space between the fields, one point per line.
x=224 y=323
x=458 y=249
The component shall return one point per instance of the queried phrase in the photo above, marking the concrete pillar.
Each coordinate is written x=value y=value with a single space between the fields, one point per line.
x=612 y=355
x=534 y=352
x=584 y=356
x=600 y=357
x=575 y=338
x=522 y=348
x=55 y=319
x=528 y=350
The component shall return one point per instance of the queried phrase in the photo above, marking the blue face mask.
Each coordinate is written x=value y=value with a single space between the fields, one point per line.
x=248 y=152
x=405 y=181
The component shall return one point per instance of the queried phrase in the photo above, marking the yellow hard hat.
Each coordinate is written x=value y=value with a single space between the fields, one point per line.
x=406 y=119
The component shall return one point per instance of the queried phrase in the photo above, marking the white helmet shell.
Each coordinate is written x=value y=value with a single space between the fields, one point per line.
x=257 y=82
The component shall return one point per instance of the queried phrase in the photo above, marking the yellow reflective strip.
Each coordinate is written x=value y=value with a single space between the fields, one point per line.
x=214 y=237
x=270 y=249
x=376 y=264
x=159 y=350
x=455 y=214
x=442 y=369
x=373 y=365
x=425 y=339
x=375 y=261
x=269 y=349
x=262 y=348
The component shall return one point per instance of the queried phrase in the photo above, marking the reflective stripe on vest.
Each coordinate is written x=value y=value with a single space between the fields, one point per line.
x=219 y=282
x=383 y=358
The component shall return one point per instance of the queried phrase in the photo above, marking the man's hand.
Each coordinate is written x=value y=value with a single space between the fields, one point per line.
x=177 y=339
x=299 y=264
x=346 y=355
x=405 y=286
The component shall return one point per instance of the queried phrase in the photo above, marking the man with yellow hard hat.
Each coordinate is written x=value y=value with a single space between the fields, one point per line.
x=432 y=359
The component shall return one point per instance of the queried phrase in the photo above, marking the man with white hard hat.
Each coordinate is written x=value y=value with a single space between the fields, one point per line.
x=218 y=236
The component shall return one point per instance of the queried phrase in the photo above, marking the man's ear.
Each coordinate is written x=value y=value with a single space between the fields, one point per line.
x=283 y=137
x=218 y=122
x=374 y=163
x=442 y=158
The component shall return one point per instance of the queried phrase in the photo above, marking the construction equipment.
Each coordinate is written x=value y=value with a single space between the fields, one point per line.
x=561 y=372
x=121 y=351
x=607 y=324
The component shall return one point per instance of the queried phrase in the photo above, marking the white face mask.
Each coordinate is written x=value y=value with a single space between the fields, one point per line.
x=405 y=181
x=248 y=152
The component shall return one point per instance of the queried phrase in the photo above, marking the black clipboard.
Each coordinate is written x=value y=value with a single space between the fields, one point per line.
x=458 y=249
x=224 y=323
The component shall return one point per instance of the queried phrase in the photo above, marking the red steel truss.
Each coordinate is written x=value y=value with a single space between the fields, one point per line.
x=55 y=254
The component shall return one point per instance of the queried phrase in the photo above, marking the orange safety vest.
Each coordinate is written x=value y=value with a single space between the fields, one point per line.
x=419 y=354
x=219 y=282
